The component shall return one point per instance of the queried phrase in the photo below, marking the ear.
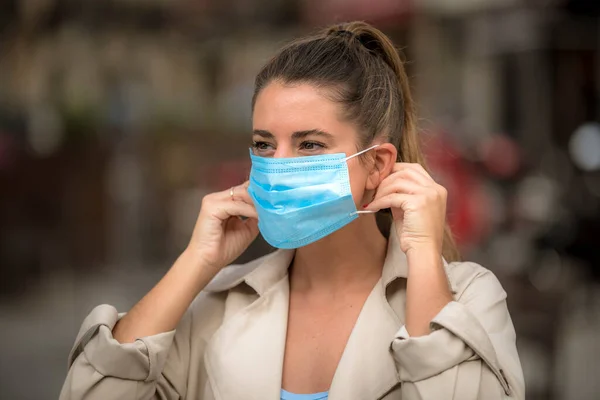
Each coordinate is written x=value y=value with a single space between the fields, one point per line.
x=383 y=164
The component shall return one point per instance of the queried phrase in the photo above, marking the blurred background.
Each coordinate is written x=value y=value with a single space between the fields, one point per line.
x=116 y=117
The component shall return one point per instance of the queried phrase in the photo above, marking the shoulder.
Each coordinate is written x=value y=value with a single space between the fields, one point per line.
x=469 y=279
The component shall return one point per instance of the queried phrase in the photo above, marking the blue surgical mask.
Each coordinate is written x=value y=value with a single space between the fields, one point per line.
x=302 y=199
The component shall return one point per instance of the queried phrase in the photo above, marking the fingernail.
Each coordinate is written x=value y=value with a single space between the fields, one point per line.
x=365 y=205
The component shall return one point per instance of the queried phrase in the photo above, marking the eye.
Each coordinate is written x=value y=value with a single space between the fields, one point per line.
x=311 y=146
x=263 y=149
x=260 y=145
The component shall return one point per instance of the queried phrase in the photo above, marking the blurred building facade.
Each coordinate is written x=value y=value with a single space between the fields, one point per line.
x=116 y=117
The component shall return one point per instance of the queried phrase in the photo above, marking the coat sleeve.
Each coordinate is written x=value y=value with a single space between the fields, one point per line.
x=471 y=351
x=101 y=368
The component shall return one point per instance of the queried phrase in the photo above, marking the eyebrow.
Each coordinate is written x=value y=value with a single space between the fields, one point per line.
x=296 y=135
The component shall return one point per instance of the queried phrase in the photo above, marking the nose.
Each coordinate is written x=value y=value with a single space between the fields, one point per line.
x=284 y=150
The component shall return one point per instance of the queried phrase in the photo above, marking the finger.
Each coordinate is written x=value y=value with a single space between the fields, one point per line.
x=413 y=167
x=241 y=194
x=236 y=190
x=250 y=225
x=411 y=173
x=394 y=200
x=400 y=185
x=393 y=183
x=224 y=210
x=415 y=171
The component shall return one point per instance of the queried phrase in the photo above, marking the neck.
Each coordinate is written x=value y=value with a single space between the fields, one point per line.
x=351 y=257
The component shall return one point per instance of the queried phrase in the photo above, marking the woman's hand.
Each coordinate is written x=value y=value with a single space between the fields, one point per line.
x=220 y=235
x=418 y=206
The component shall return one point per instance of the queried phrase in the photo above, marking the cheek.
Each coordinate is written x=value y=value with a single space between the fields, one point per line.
x=358 y=181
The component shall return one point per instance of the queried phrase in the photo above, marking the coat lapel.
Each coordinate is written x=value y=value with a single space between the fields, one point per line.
x=244 y=358
x=367 y=369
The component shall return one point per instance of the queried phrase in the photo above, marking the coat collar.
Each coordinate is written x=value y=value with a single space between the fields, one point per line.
x=260 y=274
x=264 y=272
x=395 y=265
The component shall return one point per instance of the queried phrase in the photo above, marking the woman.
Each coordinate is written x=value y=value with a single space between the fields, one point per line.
x=345 y=310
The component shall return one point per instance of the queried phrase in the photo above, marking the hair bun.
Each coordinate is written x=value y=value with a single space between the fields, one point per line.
x=362 y=36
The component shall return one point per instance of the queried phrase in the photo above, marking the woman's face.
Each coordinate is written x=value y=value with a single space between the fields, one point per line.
x=297 y=121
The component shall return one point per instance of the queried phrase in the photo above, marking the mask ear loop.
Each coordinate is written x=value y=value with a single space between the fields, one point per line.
x=360 y=152
x=356 y=155
x=367 y=211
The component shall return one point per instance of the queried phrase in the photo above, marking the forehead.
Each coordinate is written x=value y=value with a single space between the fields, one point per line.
x=282 y=109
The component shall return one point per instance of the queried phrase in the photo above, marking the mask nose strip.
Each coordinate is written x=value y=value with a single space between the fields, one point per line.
x=364 y=212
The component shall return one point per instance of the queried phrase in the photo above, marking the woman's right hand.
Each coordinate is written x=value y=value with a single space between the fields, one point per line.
x=220 y=235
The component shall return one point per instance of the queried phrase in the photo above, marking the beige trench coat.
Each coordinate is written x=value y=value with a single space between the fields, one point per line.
x=230 y=343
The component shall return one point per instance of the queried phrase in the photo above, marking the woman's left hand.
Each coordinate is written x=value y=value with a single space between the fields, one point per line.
x=418 y=206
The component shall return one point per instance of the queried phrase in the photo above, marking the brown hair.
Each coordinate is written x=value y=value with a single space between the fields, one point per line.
x=362 y=70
